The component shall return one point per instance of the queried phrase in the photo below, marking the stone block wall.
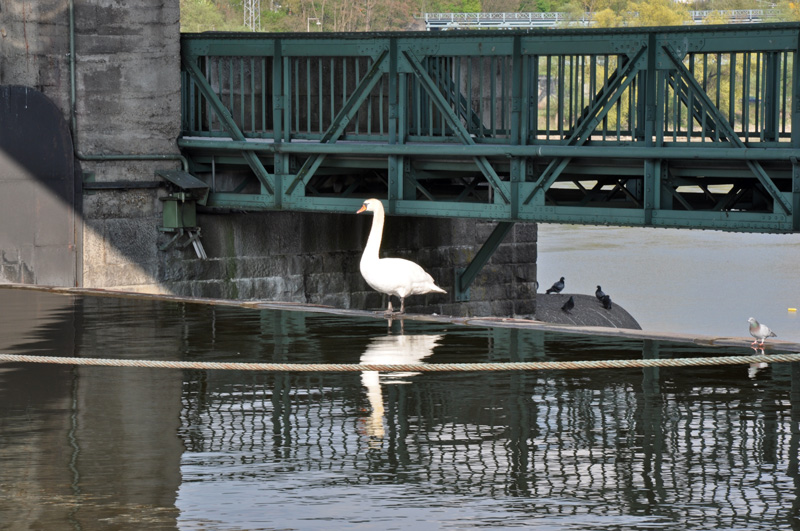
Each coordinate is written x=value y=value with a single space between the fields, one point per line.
x=314 y=259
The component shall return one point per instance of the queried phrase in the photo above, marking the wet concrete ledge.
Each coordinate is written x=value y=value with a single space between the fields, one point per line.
x=499 y=322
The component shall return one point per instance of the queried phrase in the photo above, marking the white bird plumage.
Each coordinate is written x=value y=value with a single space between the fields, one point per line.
x=759 y=331
x=393 y=276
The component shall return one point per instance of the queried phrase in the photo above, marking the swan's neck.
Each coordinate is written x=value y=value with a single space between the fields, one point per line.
x=375 y=234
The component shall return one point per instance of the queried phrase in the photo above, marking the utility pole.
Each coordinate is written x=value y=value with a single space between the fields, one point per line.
x=252 y=14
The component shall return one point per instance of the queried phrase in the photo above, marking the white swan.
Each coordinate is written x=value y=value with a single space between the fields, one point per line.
x=393 y=276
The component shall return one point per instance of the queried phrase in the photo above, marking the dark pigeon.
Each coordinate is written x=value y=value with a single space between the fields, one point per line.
x=606 y=300
x=599 y=294
x=569 y=305
x=557 y=287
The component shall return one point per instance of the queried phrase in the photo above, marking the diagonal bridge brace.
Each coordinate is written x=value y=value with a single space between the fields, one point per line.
x=340 y=121
x=727 y=129
x=267 y=180
x=601 y=105
x=465 y=276
x=463 y=107
x=455 y=122
x=707 y=118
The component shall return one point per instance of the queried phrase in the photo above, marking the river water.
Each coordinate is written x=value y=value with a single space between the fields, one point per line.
x=670 y=280
x=104 y=448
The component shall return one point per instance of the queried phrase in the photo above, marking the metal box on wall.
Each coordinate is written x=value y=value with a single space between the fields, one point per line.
x=178 y=213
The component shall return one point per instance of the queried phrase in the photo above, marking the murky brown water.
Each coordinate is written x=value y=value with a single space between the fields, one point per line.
x=126 y=448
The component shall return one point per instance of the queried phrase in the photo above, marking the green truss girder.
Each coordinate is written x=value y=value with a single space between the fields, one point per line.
x=341 y=120
x=453 y=121
x=729 y=132
x=224 y=115
x=648 y=176
x=601 y=104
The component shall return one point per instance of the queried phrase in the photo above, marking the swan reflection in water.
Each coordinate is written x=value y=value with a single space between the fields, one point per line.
x=399 y=349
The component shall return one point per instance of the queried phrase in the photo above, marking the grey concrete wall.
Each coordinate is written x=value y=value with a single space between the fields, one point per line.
x=39 y=224
x=127 y=59
x=128 y=65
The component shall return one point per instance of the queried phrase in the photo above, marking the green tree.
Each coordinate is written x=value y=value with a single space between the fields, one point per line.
x=501 y=6
x=789 y=11
x=471 y=6
x=274 y=21
x=394 y=15
x=608 y=18
x=205 y=15
x=656 y=13
x=728 y=5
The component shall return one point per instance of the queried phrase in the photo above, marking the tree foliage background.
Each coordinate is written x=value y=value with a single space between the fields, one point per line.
x=398 y=15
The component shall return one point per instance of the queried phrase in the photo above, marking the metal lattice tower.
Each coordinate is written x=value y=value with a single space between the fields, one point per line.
x=252 y=14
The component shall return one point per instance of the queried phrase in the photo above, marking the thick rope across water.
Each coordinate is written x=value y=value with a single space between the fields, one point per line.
x=405 y=367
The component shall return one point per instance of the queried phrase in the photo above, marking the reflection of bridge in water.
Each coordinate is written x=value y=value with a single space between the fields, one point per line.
x=642 y=440
x=694 y=448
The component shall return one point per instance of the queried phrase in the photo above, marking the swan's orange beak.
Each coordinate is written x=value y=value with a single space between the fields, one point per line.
x=362 y=209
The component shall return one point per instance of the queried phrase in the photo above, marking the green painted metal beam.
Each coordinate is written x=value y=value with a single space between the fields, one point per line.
x=671 y=152
x=687 y=127
x=465 y=276
x=230 y=125
x=341 y=120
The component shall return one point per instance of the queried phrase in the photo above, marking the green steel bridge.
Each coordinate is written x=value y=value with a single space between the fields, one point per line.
x=688 y=127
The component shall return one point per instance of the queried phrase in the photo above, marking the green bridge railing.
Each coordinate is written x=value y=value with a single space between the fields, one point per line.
x=690 y=127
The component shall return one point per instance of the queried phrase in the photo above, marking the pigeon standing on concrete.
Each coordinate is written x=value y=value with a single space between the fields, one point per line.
x=606 y=300
x=599 y=294
x=557 y=287
x=759 y=331
x=570 y=304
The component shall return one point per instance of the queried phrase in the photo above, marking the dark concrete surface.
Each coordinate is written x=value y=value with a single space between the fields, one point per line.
x=588 y=311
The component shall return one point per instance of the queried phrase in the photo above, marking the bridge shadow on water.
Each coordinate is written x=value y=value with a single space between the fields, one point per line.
x=88 y=447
